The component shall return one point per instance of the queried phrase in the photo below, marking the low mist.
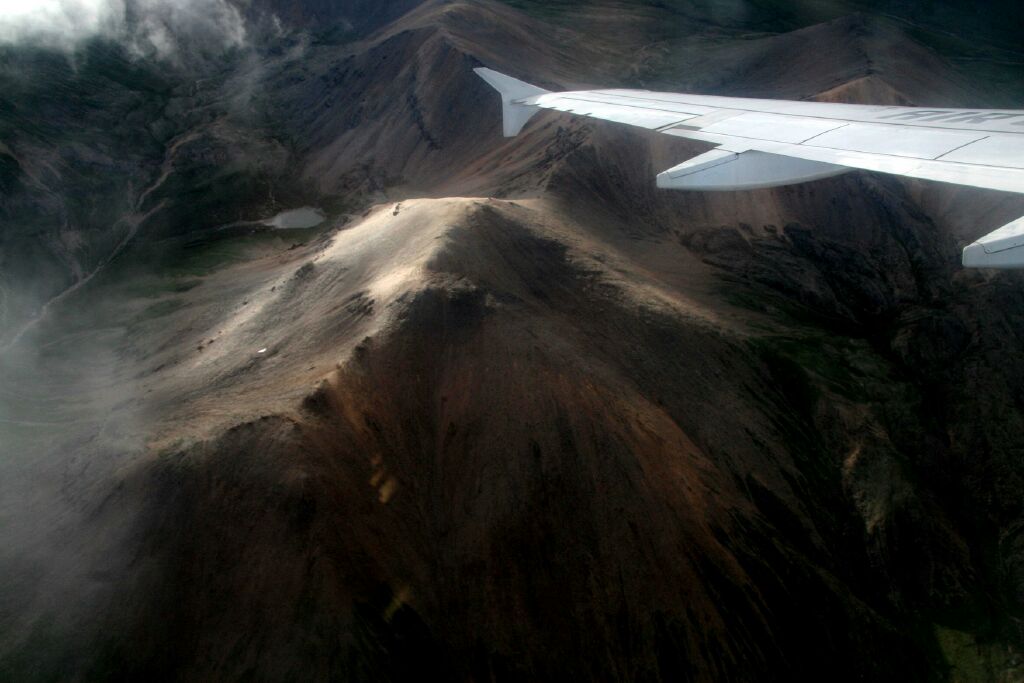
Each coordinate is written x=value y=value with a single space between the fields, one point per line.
x=163 y=29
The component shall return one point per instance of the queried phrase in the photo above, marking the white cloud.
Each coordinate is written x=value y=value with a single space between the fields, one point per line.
x=164 y=28
x=56 y=22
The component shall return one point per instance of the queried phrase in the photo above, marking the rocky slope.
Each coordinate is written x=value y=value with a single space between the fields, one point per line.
x=512 y=413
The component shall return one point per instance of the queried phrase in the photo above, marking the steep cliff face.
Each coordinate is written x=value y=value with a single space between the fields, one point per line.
x=511 y=413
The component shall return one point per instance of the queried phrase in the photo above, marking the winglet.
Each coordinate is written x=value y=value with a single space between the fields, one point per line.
x=514 y=114
x=1003 y=248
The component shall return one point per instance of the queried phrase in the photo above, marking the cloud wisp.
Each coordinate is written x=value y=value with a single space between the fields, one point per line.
x=149 y=28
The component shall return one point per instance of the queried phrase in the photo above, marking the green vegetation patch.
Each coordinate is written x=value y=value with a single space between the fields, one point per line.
x=971 y=661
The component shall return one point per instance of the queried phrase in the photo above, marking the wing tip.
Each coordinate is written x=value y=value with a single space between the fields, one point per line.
x=514 y=115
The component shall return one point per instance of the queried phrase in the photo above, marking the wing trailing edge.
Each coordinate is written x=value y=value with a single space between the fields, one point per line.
x=768 y=143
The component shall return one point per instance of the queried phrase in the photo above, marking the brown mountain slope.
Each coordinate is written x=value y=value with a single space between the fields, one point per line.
x=867 y=89
x=803 y=63
x=530 y=444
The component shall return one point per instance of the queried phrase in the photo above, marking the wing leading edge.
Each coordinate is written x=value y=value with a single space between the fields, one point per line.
x=770 y=143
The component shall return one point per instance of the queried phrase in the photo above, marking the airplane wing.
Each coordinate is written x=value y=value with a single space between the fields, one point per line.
x=769 y=143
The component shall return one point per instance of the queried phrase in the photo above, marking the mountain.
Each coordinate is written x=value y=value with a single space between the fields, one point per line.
x=510 y=412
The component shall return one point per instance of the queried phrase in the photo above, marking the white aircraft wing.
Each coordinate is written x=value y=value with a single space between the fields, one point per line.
x=769 y=143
